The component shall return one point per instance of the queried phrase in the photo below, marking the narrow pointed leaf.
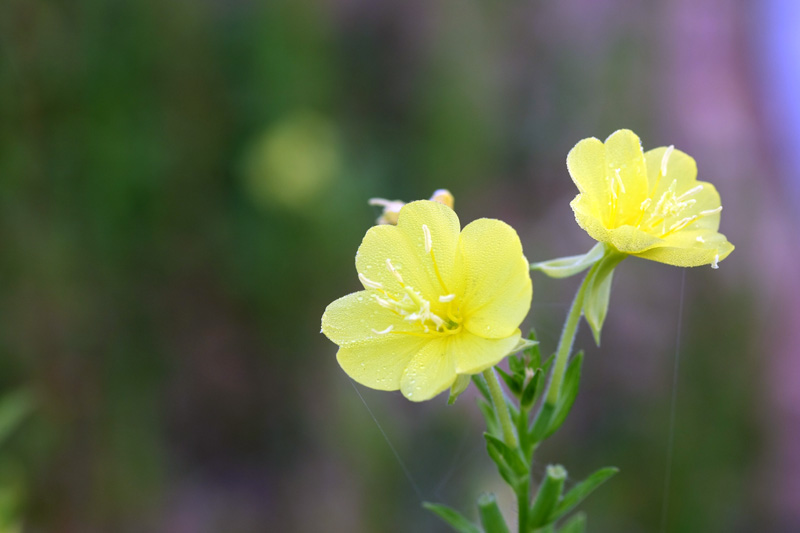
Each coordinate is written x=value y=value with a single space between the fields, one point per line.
x=534 y=352
x=529 y=393
x=569 y=391
x=511 y=457
x=576 y=524
x=580 y=491
x=542 y=422
x=565 y=267
x=486 y=409
x=502 y=467
x=455 y=519
x=511 y=381
x=483 y=387
x=491 y=518
x=540 y=388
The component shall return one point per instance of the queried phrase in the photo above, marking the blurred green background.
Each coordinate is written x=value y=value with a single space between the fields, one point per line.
x=183 y=186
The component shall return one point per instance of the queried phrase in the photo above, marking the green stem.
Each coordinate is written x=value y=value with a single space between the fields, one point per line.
x=500 y=407
x=523 y=491
x=567 y=339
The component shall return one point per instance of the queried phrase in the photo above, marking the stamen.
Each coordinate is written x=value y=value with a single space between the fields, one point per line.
x=368 y=283
x=645 y=204
x=394 y=271
x=428 y=241
x=665 y=159
x=619 y=178
x=447 y=298
x=690 y=192
x=682 y=223
x=715 y=264
x=700 y=239
x=385 y=303
x=384 y=332
x=708 y=212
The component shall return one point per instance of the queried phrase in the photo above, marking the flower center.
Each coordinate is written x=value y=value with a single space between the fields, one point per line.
x=427 y=316
x=667 y=216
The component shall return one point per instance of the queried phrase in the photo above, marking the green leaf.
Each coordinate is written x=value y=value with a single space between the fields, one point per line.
x=569 y=391
x=511 y=381
x=548 y=496
x=459 y=385
x=492 y=425
x=455 y=519
x=502 y=466
x=540 y=388
x=565 y=267
x=576 y=524
x=534 y=352
x=529 y=393
x=598 y=292
x=14 y=409
x=483 y=387
x=491 y=518
x=510 y=456
x=541 y=422
x=580 y=491
x=516 y=365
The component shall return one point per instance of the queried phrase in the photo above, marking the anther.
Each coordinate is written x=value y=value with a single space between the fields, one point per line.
x=394 y=271
x=428 y=241
x=708 y=212
x=700 y=239
x=447 y=298
x=690 y=192
x=368 y=283
x=619 y=178
x=665 y=159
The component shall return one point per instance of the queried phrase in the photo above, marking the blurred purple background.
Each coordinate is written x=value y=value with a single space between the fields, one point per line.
x=184 y=186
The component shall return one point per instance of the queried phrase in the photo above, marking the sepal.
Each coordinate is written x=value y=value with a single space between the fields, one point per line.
x=598 y=291
x=565 y=267
x=459 y=385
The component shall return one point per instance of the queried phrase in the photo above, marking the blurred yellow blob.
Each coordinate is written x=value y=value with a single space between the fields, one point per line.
x=646 y=204
x=293 y=162
x=438 y=302
x=391 y=208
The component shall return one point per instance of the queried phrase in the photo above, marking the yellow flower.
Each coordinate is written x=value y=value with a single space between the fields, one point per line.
x=646 y=204
x=437 y=302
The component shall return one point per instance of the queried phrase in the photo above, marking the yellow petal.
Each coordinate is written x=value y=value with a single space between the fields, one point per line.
x=431 y=371
x=494 y=279
x=404 y=246
x=681 y=169
x=627 y=176
x=475 y=354
x=586 y=163
x=374 y=359
x=611 y=177
x=380 y=364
